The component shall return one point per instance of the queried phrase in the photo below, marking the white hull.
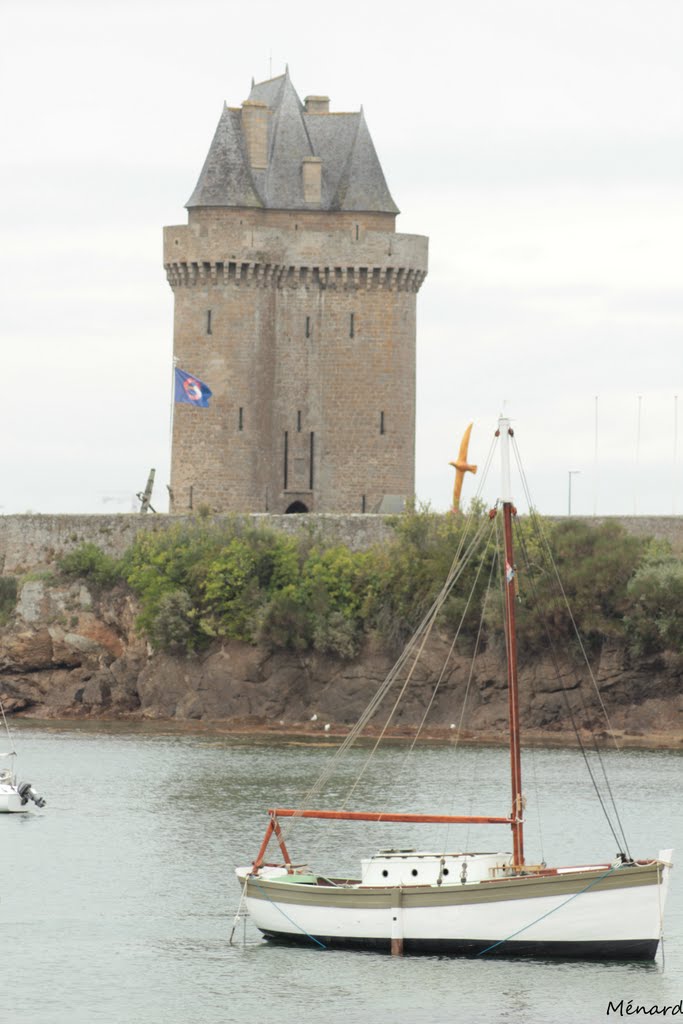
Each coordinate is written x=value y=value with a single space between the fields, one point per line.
x=603 y=912
x=10 y=801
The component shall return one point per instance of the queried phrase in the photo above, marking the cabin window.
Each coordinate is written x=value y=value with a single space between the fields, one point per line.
x=208 y=322
x=352 y=326
x=381 y=423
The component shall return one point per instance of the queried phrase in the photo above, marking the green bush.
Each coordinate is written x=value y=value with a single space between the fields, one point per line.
x=221 y=579
x=411 y=571
x=654 y=622
x=8 y=598
x=285 y=621
x=594 y=565
x=91 y=563
x=173 y=627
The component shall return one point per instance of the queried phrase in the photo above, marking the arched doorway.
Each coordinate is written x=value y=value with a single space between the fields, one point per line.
x=296 y=506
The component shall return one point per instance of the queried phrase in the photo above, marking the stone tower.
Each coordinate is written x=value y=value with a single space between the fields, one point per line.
x=295 y=302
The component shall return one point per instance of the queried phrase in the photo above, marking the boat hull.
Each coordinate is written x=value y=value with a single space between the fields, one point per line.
x=589 y=913
x=10 y=801
x=637 y=950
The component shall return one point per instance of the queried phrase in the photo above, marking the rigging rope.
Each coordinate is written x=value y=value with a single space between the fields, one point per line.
x=435 y=690
x=553 y=911
x=418 y=638
x=546 y=551
x=409 y=658
x=415 y=646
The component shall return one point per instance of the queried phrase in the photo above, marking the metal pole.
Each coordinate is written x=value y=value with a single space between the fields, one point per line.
x=636 y=475
x=675 y=482
x=572 y=472
x=595 y=462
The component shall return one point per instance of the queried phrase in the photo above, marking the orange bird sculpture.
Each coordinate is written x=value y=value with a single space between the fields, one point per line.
x=461 y=466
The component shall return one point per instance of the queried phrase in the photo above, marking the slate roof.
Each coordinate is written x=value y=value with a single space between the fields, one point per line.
x=352 y=177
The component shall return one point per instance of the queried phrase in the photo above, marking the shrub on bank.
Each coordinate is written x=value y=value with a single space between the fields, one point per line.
x=226 y=580
x=91 y=563
x=8 y=598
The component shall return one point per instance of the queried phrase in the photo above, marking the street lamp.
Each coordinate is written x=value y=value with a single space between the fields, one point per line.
x=572 y=472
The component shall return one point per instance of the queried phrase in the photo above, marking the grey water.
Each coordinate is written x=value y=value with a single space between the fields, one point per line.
x=118 y=898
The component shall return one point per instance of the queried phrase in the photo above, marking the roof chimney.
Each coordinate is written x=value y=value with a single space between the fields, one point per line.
x=255 y=130
x=311 y=168
x=317 y=104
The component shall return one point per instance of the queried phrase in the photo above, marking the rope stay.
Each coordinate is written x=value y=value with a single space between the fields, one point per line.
x=615 y=826
x=475 y=538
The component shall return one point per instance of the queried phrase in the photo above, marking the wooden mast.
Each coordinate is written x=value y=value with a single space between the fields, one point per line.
x=505 y=432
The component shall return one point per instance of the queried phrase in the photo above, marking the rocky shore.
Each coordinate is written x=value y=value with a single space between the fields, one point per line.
x=69 y=653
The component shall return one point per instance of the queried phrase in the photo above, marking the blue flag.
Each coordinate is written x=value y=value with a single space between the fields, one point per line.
x=191 y=389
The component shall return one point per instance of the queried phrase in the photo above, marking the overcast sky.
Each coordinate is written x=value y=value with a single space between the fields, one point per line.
x=538 y=143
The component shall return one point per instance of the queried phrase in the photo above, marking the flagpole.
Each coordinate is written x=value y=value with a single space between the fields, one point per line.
x=637 y=472
x=174 y=363
x=675 y=479
x=595 y=462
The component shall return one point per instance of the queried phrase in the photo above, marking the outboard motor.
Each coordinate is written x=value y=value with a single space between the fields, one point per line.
x=27 y=792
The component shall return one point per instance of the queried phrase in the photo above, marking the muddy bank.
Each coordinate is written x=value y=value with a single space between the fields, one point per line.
x=68 y=653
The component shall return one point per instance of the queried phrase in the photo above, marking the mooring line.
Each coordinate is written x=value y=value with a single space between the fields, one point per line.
x=549 y=912
x=278 y=907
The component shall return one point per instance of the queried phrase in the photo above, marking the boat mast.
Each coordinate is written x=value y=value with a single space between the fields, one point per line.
x=505 y=432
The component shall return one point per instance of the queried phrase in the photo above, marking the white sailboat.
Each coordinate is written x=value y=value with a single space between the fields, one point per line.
x=461 y=903
x=14 y=795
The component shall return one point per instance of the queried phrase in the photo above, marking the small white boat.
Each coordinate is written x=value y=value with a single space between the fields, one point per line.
x=14 y=795
x=456 y=902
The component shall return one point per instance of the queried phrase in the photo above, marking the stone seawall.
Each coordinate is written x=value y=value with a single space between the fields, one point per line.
x=70 y=651
x=30 y=543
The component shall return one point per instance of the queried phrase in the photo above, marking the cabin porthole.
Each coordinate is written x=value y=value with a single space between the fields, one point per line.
x=385 y=873
x=445 y=871
x=414 y=872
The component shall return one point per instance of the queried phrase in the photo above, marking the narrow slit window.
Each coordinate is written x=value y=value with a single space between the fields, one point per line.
x=356 y=232
x=189 y=503
x=308 y=326
x=352 y=325
x=310 y=467
x=298 y=422
x=362 y=503
x=286 y=458
x=240 y=421
x=208 y=322
x=381 y=423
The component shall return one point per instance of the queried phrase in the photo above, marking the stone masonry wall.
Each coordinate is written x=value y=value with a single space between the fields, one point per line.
x=303 y=324
x=29 y=543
